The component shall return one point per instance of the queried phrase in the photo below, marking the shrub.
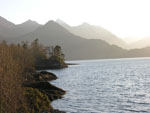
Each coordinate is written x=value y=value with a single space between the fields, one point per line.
x=38 y=101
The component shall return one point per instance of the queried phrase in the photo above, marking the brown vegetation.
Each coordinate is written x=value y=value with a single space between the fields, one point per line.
x=17 y=64
x=14 y=63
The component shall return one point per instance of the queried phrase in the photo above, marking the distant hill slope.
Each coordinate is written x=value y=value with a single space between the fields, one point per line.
x=141 y=43
x=88 y=31
x=8 y=29
x=77 y=48
x=22 y=29
x=144 y=52
x=5 y=24
x=73 y=46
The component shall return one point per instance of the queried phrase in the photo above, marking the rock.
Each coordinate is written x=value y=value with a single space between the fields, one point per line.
x=52 y=66
x=44 y=76
x=53 y=111
x=50 y=90
x=40 y=81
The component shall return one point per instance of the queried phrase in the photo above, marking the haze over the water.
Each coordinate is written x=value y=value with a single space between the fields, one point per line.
x=125 y=18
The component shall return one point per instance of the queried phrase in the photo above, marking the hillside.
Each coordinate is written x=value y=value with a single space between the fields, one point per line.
x=144 y=52
x=8 y=29
x=73 y=46
x=88 y=31
x=5 y=24
x=141 y=43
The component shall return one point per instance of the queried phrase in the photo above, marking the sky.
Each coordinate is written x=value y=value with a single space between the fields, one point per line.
x=124 y=18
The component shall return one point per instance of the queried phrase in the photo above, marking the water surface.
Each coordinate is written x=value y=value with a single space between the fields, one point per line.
x=105 y=86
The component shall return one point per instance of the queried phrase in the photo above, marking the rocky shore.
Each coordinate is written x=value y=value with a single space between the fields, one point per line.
x=40 y=85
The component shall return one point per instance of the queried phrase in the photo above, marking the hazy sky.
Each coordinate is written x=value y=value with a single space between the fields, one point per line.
x=125 y=18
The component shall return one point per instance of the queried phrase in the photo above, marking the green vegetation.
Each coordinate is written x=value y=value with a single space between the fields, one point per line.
x=37 y=100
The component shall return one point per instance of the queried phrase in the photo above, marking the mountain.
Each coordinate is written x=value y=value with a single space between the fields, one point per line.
x=141 y=43
x=78 y=48
x=3 y=38
x=22 y=29
x=144 y=52
x=8 y=29
x=93 y=32
x=74 y=47
x=28 y=25
x=5 y=24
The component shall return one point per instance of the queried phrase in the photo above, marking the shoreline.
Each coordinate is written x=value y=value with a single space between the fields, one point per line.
x=41 y=81
x=72 y=64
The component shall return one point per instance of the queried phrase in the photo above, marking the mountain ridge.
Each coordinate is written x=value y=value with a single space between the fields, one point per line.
x=142 y=43
x=76 y=47
x=17 y=30
x=5 y=23
x=93 y=32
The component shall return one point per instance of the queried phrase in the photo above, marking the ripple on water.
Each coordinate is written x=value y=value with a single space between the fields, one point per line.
x=105 y=86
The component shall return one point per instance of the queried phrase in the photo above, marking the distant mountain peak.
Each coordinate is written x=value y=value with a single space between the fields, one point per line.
x=54 y=25
x=85 y=24
x=8 y=29
x=60 y=21
x=30 y=22
x=1 y=18
x=50 y=22
x=5 y=23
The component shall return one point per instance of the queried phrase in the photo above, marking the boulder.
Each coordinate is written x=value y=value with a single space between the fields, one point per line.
x=50 y=90
x=44 y=76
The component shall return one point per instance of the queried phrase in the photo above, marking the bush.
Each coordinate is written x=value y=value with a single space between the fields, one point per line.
x=38 y=101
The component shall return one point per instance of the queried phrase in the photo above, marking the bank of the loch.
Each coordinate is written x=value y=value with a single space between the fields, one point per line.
x=41 y=93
